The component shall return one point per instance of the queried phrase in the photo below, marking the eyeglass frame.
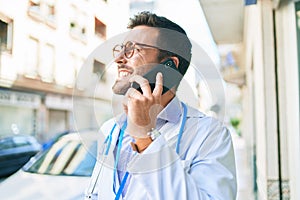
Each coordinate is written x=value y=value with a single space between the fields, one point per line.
x=123 y=49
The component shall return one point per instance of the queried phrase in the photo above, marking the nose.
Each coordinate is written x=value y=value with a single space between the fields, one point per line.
x=120 y=58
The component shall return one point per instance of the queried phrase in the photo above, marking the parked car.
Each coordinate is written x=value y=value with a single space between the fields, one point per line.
x=62 y=171
x=15 y=151
x=51 y=141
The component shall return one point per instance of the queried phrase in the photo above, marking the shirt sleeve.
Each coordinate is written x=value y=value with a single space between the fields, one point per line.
x=206 y=171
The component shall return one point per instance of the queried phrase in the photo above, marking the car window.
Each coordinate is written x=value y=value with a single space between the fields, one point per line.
x=6 y=144
x=66 y=157
x=20 y=141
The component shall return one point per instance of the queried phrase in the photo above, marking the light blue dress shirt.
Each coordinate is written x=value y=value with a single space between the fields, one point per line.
x=203 y=169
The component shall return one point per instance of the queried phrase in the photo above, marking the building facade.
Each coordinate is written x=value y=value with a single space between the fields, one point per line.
x=271 y=97
x=44 y=45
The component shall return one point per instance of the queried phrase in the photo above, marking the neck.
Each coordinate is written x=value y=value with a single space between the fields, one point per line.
x=167 y=97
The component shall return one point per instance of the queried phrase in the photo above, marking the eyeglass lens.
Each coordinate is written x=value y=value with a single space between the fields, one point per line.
x=127 y=49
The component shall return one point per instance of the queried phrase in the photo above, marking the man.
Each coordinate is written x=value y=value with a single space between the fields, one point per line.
x=160 y=148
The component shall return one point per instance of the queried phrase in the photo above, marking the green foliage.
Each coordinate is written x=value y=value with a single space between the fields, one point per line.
x=235 y=122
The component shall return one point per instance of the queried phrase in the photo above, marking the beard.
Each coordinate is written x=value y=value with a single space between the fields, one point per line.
x=121 y=86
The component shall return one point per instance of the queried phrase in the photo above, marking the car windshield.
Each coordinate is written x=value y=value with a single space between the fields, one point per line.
x=68 y=156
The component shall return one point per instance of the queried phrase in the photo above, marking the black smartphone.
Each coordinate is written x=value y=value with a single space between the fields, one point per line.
x=171 y=76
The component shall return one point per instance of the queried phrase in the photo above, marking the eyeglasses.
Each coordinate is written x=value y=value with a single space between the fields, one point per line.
x=128 y=48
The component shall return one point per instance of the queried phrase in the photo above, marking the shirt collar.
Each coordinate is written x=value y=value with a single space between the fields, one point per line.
x=171 y=112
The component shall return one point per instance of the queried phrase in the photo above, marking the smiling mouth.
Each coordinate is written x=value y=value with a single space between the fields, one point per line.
x=124 y=74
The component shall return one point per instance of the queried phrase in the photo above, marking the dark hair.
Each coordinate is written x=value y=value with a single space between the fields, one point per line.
x=152 y=20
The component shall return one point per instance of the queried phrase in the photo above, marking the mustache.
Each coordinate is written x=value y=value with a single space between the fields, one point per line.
x=122 y=66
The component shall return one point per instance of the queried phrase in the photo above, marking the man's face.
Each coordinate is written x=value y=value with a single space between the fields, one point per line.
x=141 y=61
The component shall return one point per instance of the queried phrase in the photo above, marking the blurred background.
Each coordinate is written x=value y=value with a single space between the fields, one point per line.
x=253 y=44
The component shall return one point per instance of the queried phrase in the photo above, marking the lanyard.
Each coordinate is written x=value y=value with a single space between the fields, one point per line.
x=121 y=135
x=181 y=126
x=108 y=140
x=123 y=182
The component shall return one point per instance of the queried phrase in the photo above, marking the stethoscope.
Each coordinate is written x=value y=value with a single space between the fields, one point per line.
x=107 y=144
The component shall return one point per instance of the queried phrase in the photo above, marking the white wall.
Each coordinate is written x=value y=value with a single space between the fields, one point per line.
x=288 y=79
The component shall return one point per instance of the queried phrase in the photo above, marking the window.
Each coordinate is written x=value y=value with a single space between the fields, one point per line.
x=32 y=56
x=34 y=7
x=46 y=68
x=78 y=23
x=6 y=34
x=50 y=10
x=6 y=143
x=99 y=69
x=42 y=10
x=68 y=156
x=21 y=141
x=100 y=28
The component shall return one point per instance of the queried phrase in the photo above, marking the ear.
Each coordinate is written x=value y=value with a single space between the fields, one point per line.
x=175 y=60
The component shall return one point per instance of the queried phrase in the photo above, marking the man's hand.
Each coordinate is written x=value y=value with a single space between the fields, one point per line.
x=142 y=109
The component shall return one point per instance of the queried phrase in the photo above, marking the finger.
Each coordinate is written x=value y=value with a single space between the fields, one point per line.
x=144 y=84
x=133 y=94
x=158 y=85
